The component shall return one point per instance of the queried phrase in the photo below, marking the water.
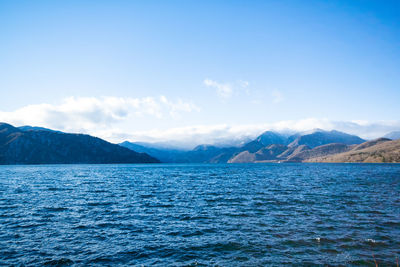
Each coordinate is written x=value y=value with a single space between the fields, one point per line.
x=212 y=215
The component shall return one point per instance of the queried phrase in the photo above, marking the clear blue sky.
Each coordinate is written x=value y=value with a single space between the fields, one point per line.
x=265 y=61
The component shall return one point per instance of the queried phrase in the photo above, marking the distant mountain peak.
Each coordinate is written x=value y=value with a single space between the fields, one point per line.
x=321 y=137
x=270 y=137
x=393 y=135
x=204 y=147
x=6 y=128
x=315 y=130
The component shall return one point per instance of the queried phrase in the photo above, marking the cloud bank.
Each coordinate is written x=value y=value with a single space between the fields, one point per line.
x=227 y=135
x=96 y=114
x=115 y=119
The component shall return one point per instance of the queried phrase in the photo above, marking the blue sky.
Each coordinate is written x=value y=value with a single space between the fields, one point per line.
x=136 y=69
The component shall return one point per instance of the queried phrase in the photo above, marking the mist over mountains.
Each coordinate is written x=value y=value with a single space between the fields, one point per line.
x=38 y=145
x=393 y=135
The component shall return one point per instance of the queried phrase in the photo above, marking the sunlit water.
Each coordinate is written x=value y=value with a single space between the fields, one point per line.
x=214 y=215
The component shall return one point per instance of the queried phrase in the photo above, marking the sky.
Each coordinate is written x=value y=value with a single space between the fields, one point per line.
x=200 y=71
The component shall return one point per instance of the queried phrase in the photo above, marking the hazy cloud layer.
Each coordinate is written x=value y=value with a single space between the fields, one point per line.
x=115 y=119
x=89 y=114
x=226 y=135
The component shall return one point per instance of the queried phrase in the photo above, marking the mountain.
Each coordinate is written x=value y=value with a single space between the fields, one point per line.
x=271 y=138
x=263 y=140
x=224 y=155
x=200 y=154
x=374 y=152
x=321 y=137
x=166 y=155
x=270 y=152
x=205 y=154
x=269 y=146
x=50 y=147
x=378 y=150
x=300 y=146
x=214 y=154
x=284 y=153
x=315 y=146
x=318 y=151
x=292 y=151
x=393 y=135
x=267 y=153
x=370 y=143
x=243 y=157
x=37 y=145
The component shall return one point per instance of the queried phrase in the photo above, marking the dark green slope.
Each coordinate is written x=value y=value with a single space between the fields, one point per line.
x=48 y=147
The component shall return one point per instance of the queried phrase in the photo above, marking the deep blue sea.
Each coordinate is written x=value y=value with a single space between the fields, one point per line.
x=200 y=215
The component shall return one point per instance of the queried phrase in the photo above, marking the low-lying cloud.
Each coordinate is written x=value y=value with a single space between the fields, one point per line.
x=116 y=119
x=86 y=114
x=227 y=135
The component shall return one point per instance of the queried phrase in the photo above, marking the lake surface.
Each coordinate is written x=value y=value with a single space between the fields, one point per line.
x=212 y=215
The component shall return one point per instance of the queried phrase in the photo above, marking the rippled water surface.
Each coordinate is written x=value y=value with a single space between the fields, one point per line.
x=213 y=215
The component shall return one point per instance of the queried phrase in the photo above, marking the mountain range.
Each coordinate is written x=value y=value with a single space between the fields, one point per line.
x=268 y=147
x=312 y=146
x=393 y=135
x=35 y=145
x=38 y=145
x=376 y=151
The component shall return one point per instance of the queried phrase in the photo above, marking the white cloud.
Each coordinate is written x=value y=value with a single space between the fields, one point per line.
x=227 y=135
x=95 y=114
x=277 y=96
x=245 y=86
x=116 y=119
x=176 y=108
x=224 y=90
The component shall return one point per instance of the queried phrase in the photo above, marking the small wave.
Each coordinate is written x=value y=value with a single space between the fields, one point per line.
x=100 y=191
x=330 y=251
x=173 y=233
x=147 y=196
x=161 y=206
x=94 y=204
x=135 y=254
x=58 y=189
x=59 y=262
x=391 y=223
x=296 y=243
x=55 y=209
x=195 y=233
x=29 y=225
x=375 y=243
x=19 y=190
x=81 y=227
x=101 y=260
x=107 y=225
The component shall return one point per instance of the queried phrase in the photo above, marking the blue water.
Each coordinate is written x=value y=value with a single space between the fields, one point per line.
x=211 y=215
